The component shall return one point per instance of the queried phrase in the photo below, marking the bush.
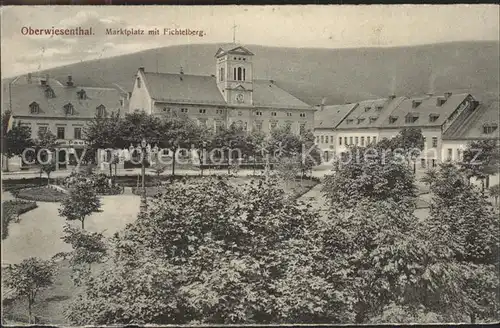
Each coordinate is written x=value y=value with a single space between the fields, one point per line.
x=11 y=210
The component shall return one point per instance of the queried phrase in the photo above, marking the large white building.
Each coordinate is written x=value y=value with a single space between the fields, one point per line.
x=230 y=96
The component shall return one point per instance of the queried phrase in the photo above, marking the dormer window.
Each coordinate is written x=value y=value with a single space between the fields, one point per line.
x=490 y=128
x=349 y=121
x=34 y=108
x=440 y=102
x=392 y=119
x=49 y=92
x=82 y=94
x=367 y=108
x=138 y=81
x=68 y=109
x=101 y=110
x=416 y=103
x=433 y=117
x=361 y=120
x=411 y=118
x=379 y=108
x=373 y=119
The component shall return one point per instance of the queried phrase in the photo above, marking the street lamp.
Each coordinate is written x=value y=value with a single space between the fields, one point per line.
x=143 y=173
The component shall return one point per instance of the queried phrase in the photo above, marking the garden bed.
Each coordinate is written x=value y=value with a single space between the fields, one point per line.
x=41 y=194
x=11 y=210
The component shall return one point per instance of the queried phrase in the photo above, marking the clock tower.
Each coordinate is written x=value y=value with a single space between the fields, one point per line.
x=234 y=74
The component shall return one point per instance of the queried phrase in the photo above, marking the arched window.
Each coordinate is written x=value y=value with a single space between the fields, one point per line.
x=239 y=74
x=222 y=73
x=68 y=109
x=244 y=71
x=101 y=110
x=138 y=82
x=234 y=74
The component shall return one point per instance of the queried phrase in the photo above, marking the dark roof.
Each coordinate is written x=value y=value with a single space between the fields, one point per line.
x=26 y=94
x=330 y=116
x=201 y=89
x=472 y=127
x=183 y=88
x=369 y=113
x=428 y=107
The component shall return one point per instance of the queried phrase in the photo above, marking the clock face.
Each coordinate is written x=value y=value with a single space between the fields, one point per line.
x=239 y=97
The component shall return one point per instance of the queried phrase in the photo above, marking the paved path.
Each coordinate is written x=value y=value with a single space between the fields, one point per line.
x=38 y=231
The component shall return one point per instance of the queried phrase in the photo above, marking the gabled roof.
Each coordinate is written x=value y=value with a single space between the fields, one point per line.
x=201 y=89
x=24 y=95
x=426 y=108
x=183 y=88
x=232 y=48
x=331 y=116
x=472 y=127
x=268 y=94
x=369 y=113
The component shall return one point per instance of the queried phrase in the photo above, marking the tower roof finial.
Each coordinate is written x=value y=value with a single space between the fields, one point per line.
x=234 y=32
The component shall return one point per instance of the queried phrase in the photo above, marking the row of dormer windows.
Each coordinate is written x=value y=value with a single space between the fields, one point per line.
x=68 y=109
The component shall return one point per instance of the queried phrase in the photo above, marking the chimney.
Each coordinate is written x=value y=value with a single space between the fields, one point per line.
x=322 y=106
x=392 y=97
x=447 y=95
x=43 y=82
x=29 y=78
x=415 y=103
x=69 y=83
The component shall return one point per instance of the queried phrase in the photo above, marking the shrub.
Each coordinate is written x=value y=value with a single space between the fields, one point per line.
x=42 y=194
x=11 y=210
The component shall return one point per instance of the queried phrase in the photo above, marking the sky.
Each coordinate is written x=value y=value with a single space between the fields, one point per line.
x=282 y=26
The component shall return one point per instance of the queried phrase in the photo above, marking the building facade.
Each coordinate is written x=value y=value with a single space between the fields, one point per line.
x=45 y=104
x=230 y=96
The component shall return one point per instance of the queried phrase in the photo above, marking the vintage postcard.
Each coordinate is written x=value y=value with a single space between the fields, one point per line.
x=197 y=165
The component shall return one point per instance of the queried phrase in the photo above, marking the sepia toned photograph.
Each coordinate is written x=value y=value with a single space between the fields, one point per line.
x=235 y=165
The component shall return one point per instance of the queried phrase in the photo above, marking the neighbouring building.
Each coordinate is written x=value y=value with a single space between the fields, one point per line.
x=482 y=124
x=231 y=96
x=326 y=120
x=45 y=104
x=361 y=126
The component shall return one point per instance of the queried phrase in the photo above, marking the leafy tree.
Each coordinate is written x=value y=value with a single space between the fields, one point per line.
x=88 y=248
x=210 y=252
x=494 y=192
x=463 y=219
x=81 y=202
x=311 y=154
x=48 y=168
x=411 y=141
x=377 y=254
x=480 y=160
x=369 y=173
x=287 y=169
x=28 y=278
x=14 y=140
x=429 y=177
x=178 y=132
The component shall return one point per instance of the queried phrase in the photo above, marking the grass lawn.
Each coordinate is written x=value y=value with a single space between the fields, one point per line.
x=42 y=194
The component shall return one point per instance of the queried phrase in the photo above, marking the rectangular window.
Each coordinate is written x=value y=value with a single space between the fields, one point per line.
x=368 y=140
x=184 y=110
x=350 y=140
x=331 y=139
x=433 y=163
x=77 y=133
x=362 y=141
x=356 y=140
x=434 y=142
x=60 y=132
x=288 y=114
x=273 y=113
x=203 y=111
x=326 y=139
x=450 y=154
x=345 y=141
x=374 y=139
x=302 y=114
x=459 y=154
x=422 y=163
x=322 y=139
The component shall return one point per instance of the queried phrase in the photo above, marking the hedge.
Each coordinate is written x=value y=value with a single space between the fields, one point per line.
x=42 y=194
x=11 y=209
